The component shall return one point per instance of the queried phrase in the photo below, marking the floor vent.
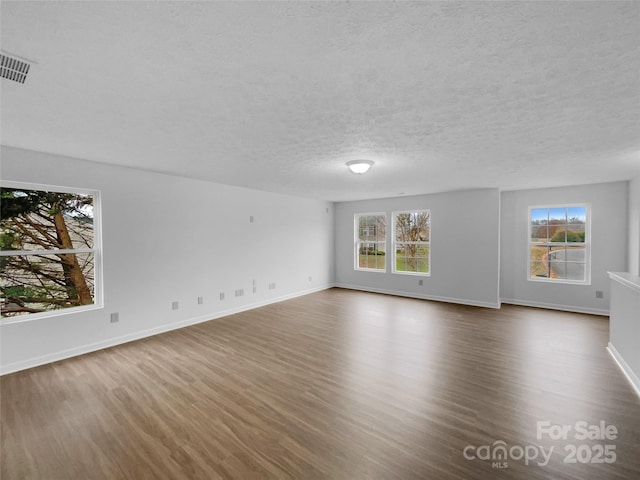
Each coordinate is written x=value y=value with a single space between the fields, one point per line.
x=13 y=69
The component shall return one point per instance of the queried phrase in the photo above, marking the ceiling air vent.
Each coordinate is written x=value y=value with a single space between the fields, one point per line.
x=13 y=69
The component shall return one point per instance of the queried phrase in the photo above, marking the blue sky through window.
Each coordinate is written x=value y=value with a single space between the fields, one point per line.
x=577 y=212
x=542 y=215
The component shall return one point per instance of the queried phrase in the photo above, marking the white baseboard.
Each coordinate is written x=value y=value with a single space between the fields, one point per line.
x=435 y=298
x=554 y=306
x=626 y=369
x=112 y=342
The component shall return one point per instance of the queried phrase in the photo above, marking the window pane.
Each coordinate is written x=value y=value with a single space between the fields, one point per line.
x=412 y=264
x=538 y=233
x=423 y=265
x=577 y=215
x=568 y=271
x=371 y=228
x=40 y=220
x=576 y=233
x=538 y=270
x=401 y=264
x=362 y=228
x=556 y=254
x=406 y=264
x=422 y=226
x=539 y=216
x=575 y=271
x=381 y=226
x=366 y=248
x=576 y=254
x=403 y=227
x=558 y=270
x=412 y=226
x=557 y=216
x=422 y=251
x=40 y=283
x=411 y=250
x=371 y=254
x=559 y=234
x=538 y=253
x=376 y=262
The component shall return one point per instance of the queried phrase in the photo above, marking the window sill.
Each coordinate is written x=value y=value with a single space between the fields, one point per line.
x=413 y=274
x=54 y=313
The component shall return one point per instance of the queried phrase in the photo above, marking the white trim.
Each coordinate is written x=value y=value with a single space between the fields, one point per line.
x=626 y=369
x=112 y=342
x=555 y=306
x=626 y=279
x=417 y=274
x=22 y=253
x=43 y=187
x=49 y=314
x=435 y=298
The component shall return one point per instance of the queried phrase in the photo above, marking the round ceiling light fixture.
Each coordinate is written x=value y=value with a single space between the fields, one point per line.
x=359 y=166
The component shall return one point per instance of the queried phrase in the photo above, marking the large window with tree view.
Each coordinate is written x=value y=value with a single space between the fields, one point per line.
x=48 y=250
x=559 y=244
x=411 y=242
x=371 y=241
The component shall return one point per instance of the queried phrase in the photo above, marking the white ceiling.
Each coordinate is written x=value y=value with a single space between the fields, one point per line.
x=278 y=96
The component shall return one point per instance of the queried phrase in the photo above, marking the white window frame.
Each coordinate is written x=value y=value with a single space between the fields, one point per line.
x=394 y=248
x=96 y=251
x=587 y=245
x=356 y=237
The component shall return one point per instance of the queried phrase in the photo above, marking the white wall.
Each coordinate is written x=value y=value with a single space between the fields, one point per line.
x=464 y=247
x=172 y=239
x=609 y=238
x=634 y=227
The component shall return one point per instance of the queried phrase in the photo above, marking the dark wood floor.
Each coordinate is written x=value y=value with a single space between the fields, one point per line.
x=337 y=384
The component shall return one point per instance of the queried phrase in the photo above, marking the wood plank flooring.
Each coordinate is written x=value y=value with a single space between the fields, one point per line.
x=338 y=385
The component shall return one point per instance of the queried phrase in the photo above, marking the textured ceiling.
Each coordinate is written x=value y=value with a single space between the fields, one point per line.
x=278 y=96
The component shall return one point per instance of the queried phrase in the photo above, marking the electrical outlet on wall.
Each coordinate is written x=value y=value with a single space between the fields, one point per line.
x=599 y=294
x=115 y=317
x=175 y=305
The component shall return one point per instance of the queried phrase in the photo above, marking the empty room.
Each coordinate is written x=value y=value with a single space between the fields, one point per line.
x=320 y=240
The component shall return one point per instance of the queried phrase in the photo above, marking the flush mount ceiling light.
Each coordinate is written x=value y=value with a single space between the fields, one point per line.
x=359 y=166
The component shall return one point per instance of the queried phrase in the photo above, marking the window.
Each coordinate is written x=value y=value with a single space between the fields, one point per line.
x=411 y=237
x=49 y=255
x=370 y=241
x=559 y=244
